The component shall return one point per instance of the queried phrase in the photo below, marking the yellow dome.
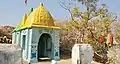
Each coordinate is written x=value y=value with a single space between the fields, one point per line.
x=40 y=16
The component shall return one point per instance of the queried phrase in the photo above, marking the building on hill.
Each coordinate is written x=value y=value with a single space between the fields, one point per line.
x=37 y=35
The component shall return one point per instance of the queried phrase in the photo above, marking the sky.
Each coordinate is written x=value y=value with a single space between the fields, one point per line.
x=11 y=11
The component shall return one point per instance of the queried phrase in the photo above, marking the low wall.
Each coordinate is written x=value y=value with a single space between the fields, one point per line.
x=82 y=54
x=10 y=54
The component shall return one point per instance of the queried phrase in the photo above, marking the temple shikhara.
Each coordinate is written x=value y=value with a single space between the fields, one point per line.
x=37 y=35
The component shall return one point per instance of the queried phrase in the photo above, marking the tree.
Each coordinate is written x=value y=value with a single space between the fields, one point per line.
x=88 y=26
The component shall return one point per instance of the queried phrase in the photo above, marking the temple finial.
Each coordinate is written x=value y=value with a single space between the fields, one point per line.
x=41 y=4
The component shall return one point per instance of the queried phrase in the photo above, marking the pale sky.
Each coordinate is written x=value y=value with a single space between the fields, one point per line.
x=11 y=11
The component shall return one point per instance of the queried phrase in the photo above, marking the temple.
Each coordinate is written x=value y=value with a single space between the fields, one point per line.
x=37 y=35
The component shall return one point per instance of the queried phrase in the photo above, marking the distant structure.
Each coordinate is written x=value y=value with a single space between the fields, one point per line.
x=37 y=35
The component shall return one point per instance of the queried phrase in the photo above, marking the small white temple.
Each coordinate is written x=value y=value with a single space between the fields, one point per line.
x=37 y=35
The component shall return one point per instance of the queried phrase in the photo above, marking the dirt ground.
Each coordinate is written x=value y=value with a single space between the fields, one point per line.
x=65 y=59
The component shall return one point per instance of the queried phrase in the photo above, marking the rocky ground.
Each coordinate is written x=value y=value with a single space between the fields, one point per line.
x=6 y=31
x=6 y=34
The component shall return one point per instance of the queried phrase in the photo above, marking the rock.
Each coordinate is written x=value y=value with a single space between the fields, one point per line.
x=6 y=31
x=5 y=40
x=100 y=57
x=82 y=54
x=54 y=62
x=10 y=54
x=93 y=62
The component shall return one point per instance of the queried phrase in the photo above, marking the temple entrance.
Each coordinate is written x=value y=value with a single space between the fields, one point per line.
x=44 y=47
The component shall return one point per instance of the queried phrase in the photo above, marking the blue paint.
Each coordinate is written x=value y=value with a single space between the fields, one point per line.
x=56 y=53
x=33 y=55
x=32 y=39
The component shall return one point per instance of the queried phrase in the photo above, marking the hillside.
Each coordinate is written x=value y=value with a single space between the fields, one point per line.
x=6 y=34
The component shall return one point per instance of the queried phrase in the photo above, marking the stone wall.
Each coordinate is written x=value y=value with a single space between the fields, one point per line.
x=10 y=54
x=82 y=54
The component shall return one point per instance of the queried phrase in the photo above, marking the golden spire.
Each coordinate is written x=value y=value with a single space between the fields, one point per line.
x=43 y=17
x=41 y=4
x=40 y=17
x=24 y=19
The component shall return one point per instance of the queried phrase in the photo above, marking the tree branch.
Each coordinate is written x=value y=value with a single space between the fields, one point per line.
x=68 y=9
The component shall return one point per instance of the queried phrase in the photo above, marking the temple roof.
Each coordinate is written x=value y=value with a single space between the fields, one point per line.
x=40 y=17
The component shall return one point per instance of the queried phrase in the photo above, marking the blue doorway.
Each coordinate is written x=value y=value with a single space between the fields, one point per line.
x=44 y=46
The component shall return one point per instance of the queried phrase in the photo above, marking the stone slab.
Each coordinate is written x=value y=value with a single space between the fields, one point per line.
x=10 y=54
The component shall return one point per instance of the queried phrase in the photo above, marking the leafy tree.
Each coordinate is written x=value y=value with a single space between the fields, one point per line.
x=88 y=26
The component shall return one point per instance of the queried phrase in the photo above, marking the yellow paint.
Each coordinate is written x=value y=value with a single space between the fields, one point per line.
x=49 y=27
x=23 y=21
x=40 y=17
